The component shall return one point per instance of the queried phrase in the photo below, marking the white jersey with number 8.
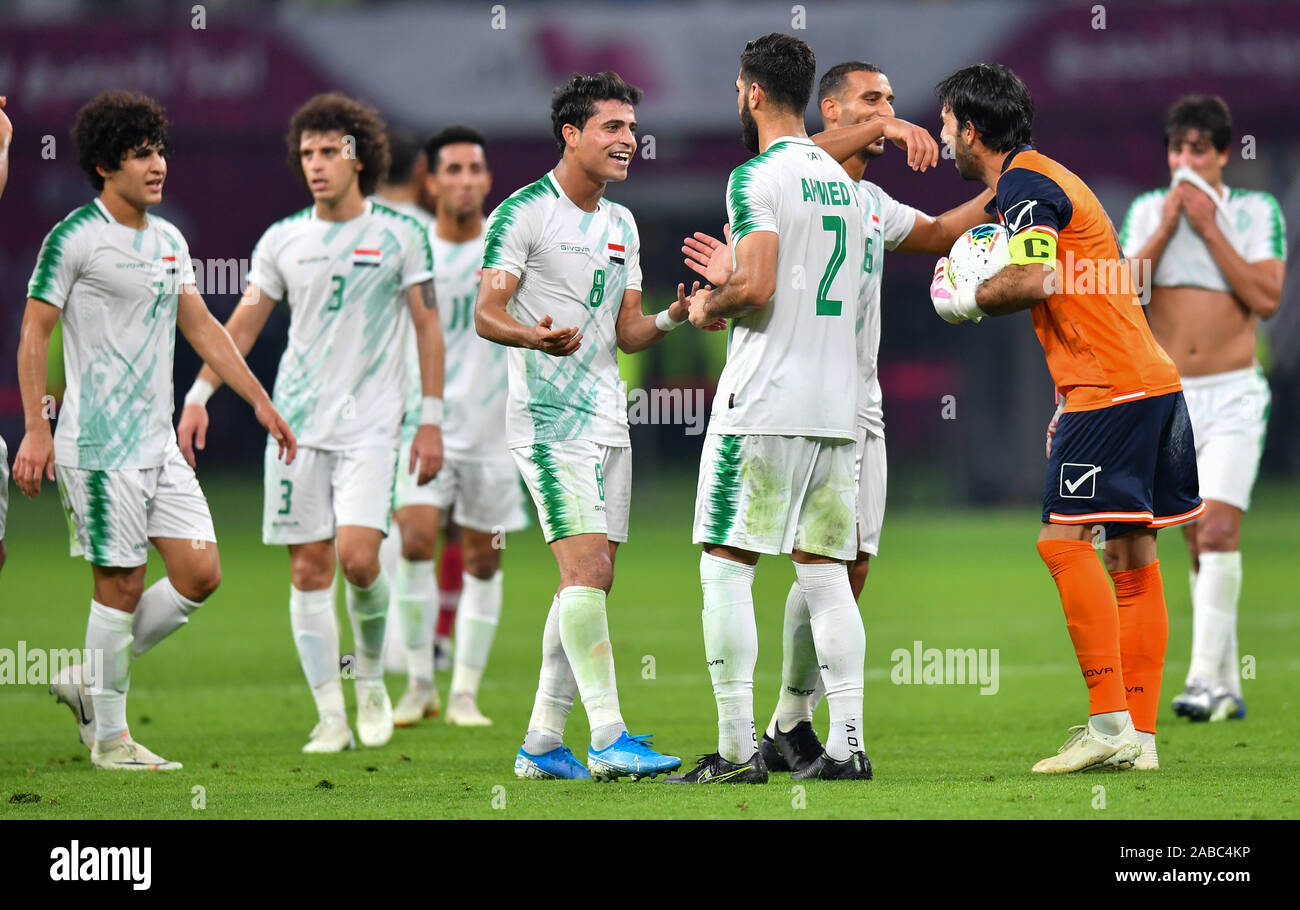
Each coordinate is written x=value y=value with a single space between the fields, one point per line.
x=573 y=266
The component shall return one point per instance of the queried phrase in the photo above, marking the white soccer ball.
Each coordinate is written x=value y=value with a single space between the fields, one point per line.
x=978 y=255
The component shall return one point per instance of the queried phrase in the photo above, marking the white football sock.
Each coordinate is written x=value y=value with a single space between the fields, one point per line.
x=108 y=642
x=316 y=636
x=476 y=625
x=368 y=610
x=1112 y=723
x=800 y=672
x=584 y=631
x=731 y=651
x=1148 y=741
x=161 y=611
x=1214 y=614
x=415 y=587
x=841 y=644
x=556 y=690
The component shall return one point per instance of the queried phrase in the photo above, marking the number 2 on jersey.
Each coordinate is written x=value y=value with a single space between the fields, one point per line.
x=826 y=306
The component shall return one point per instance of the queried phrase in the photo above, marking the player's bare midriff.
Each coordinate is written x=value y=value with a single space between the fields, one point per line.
x=1203 y=331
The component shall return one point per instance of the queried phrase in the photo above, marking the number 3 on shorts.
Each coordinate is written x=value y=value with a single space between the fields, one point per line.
x=286 y=497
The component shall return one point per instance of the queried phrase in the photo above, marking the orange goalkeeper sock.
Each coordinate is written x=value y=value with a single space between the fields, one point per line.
x=1143 y=635
x=1092 y=617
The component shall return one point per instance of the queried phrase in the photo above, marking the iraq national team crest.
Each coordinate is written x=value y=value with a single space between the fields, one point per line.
x=616 y=253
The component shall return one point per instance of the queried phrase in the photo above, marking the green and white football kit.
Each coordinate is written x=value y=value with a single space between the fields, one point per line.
x=121 y=476
x=566 y=417
x=341 y=379
x=1229 y=411
x=777 y=470
x=887 y=224
x=478 y=475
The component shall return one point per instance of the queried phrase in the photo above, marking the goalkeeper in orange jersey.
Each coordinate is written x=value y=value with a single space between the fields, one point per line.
x=1123 y=456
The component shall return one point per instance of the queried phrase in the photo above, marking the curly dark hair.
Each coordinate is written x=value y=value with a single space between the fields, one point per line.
x=335 y=111
x=114 y=124
x=575 y=101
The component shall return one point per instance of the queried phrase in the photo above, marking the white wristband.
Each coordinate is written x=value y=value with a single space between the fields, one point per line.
x=431 y=411
x=199 y=393
x=666 y=323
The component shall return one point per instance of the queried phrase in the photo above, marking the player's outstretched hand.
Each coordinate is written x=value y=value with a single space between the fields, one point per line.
x=192 y=431
x=922 y=150
x=556 y=342
x=426 y=453
x=681 y=307
x=278 y=427
x=708 y=256
x=35 y=460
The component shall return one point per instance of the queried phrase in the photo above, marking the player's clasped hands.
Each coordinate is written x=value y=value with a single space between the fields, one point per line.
x=556 y=342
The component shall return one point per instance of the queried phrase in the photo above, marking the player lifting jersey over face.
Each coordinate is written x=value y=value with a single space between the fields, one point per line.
x=1217 y=255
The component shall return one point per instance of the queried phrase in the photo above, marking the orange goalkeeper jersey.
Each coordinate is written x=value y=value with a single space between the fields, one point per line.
x=1100 y=350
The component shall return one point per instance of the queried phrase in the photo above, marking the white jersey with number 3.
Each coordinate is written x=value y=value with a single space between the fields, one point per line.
x=342 y=379
x=792 y=366
x=573 y=266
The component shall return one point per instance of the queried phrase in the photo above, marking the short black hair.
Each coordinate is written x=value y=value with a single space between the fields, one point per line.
x=336 y=112
x=403 y=151
x=784 y=68
x=832 y=82
x=992 y=99
x=451 y=136
x=1207 y=113
x=112 y=125
x=575 y=101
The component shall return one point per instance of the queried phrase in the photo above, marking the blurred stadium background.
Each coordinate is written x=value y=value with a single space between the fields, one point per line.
x=231 y=85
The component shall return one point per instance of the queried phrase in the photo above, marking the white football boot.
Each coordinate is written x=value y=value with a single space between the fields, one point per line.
x=462 y=711
x=70 y=688
x=374 y=713
x=1088 y=749
x=332 y=734
x=417 y=702
x=125 y=754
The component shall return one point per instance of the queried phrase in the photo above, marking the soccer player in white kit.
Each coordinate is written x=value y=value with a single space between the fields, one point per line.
x=6 y=134
x=350 y=270
x=777 y=471
x=122 y=281
x=856 y=101
x=561 y=288
x=478 y=475
x=1218 y=259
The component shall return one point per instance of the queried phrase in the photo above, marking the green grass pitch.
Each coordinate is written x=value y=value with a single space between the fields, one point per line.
x=226 y=695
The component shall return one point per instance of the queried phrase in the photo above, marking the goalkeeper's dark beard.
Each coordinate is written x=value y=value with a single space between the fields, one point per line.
x=748 y=128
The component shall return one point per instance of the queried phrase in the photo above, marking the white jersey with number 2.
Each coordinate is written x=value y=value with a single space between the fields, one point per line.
x=792 y=366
